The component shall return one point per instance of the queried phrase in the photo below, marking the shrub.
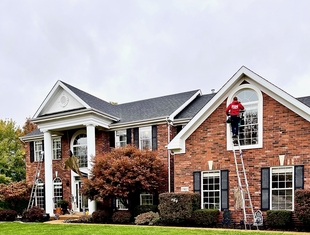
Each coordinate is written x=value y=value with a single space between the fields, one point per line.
x=121 y=217
x=175 y=208
x=144 y=208
x=206 y=217
x=279 y=218
x=302 y=208
x=8 y=215
x=34 y=214
x=147 y=218
x=101 y=216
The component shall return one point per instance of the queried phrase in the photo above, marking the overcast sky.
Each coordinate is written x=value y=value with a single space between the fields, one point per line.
x=127 y=50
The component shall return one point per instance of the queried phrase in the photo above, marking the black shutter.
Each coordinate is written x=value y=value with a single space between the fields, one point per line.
x=112 y=139
x=154 y=137
x=197 y=181
x=224 y=190
x=128 y=136
x=31 y=150
x=136 y=136
x=299 y=177
x=265 y=188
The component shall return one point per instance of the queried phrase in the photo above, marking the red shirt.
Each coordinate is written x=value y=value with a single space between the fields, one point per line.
x=234 y=108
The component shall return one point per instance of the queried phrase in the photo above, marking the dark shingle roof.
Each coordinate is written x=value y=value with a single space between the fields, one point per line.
x=93 y=101
x=191 y=110
x=152 y=108
x=139 y=110
x=305 y=100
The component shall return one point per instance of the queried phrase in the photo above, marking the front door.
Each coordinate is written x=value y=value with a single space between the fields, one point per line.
x=81 y=202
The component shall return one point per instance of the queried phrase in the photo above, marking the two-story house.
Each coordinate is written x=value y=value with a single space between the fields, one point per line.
x=190 y=132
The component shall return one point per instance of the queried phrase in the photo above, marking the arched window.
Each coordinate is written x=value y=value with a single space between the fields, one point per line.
x=40 y=194
x=80 y=148
x=251 y=124
x=248 y=130
x=58 y=191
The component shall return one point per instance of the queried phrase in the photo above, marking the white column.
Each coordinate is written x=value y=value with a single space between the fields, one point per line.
x=91 y=152
x=48 y=156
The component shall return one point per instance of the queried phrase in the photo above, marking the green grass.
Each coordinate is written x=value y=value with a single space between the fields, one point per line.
x=17 y=228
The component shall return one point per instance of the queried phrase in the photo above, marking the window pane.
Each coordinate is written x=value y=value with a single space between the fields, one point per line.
x=145 y=135
x=211 y=189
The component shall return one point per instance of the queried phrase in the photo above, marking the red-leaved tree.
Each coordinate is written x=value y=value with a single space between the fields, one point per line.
x=123 y=173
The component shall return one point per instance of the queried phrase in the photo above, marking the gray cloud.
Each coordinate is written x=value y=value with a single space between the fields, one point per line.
x=129 y=50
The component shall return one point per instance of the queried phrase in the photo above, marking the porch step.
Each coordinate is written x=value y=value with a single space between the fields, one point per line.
x=76 y=215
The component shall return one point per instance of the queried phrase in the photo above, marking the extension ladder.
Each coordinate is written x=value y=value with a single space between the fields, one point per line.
x=35 y=183
x=247 y=207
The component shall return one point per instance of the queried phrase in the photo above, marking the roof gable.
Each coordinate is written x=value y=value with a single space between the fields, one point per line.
x=243 y=75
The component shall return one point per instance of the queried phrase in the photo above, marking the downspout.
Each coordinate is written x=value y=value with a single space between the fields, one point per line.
x=169 y=122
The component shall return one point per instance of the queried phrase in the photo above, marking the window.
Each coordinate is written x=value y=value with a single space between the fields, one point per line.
x=282 y=188
x=248 y=130
x=120 y=138
x=56 y=149
x=120 y=205
x=251 y=119
x=146 y=199
x=40 y=195
x=38 y=151
x=145 y=140
x=80 y=149
x=211 y=189
x=58 y=195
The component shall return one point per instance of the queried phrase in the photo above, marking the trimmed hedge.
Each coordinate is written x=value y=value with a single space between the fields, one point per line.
x=148 y=218
x=279 y=218
x=176 y=208
x=302 y=206
x=101 y=216
x=121 y=217
x=206 y=217
x=8 y=215
x=34 y=214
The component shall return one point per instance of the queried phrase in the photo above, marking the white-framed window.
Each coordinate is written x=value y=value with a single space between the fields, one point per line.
x=146 y=199
x=79 y=147
x=58 y=190
x=282 y=188
x=40 y=194
x=120 y=138
x=38 y=151
x=211 y=193
x=145 y=138
x=56 y=148
x=251 y=119
x=120 y=205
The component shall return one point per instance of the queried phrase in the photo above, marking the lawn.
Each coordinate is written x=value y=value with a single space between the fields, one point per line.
x=17 y=228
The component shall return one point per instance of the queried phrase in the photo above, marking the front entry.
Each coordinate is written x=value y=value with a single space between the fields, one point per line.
x=81 y=202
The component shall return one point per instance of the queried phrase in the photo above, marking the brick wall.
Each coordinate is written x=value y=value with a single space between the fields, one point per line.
x=284 y=132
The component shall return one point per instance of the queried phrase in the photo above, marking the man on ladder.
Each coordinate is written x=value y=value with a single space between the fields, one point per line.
x=233 y=109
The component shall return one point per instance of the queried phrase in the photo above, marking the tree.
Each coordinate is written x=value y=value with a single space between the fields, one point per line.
x=12 y=154
x=29 y=126
x=124 y=173
x=15 y=195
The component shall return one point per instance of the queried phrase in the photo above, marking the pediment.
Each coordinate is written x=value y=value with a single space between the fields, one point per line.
x=60 y=100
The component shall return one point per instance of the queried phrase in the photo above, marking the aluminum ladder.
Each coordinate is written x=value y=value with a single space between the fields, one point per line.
x=247 y=206
x=35 y=183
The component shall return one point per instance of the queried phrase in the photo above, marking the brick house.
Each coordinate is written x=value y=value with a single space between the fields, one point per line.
x=190 y=133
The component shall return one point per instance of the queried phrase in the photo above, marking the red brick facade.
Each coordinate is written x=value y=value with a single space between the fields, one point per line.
x=284 y=132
